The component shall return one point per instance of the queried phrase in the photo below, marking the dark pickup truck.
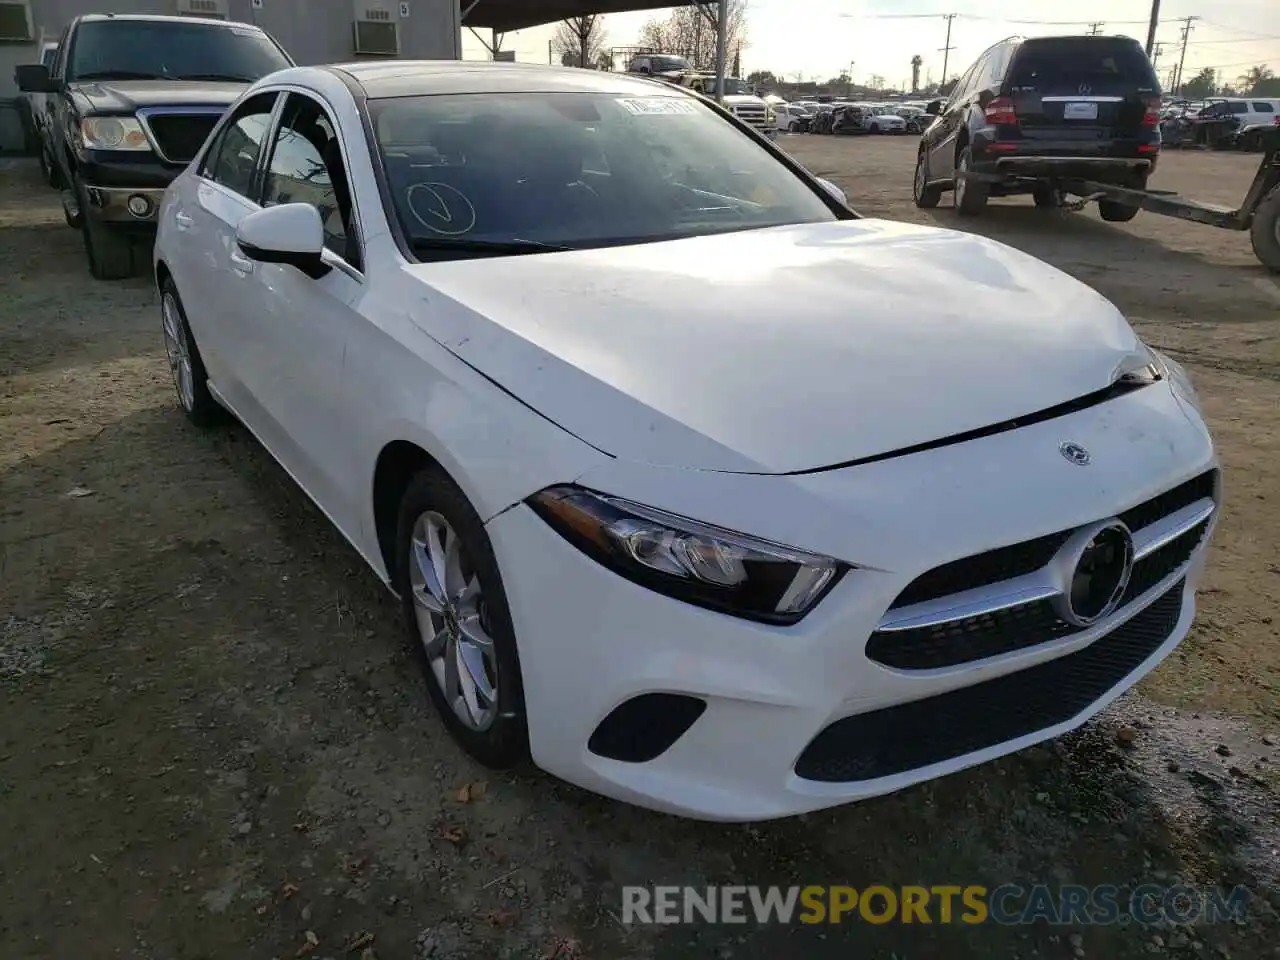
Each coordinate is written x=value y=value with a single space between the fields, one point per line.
x=131 y=99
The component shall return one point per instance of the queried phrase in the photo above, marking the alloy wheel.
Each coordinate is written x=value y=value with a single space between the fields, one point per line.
x=451 y=615
x=175 y=347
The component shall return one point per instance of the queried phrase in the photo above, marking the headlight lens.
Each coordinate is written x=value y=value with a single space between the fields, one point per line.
x=113 y=133
x=690 y=561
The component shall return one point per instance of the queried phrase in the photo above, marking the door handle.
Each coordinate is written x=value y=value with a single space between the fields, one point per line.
x=183 y=220
x=240 y=263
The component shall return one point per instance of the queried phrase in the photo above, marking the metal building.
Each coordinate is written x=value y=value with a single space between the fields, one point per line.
x=313 y=31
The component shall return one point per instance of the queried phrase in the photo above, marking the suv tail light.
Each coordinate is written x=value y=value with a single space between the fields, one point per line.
x=1152 y=117
x=1001 y=111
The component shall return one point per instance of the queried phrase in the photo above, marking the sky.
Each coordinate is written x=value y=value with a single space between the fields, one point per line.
x=818 y=39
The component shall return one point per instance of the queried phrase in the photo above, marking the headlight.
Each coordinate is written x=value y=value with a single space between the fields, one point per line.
x=690 y=561
x=113 y=133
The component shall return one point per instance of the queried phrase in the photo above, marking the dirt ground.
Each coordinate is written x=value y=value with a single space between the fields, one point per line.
x=213 y=745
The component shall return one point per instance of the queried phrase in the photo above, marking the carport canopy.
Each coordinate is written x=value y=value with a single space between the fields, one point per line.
x=504 y=16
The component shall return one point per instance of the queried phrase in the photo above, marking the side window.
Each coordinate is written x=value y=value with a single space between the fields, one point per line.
x=306 y=167
x=964 y=84
x=1261 y=106
x=233 y=158
x=1239 y=107
x=997 y=66
x=49 y=57
x=60 y=55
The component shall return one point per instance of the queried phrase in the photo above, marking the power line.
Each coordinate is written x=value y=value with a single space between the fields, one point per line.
x=1095 y=28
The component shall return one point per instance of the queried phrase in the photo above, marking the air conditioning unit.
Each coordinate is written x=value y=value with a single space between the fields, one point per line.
x=210 y=9
x=15 y=20
x=377 y=28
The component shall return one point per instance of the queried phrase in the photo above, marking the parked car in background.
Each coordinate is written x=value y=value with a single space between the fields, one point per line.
x=792 y=118
x=36 y=106
x=131 y=100
x=715 y=592
x=883 y=119
x=1033 y=112
x=917 y=120
x=1256 y=136
x=665 y=65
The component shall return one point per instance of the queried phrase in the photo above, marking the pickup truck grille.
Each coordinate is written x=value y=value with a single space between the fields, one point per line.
x=750 y=114
x=179 y=136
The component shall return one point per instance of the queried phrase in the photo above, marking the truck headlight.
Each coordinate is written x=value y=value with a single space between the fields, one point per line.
x=113 y=133
x=687 y=560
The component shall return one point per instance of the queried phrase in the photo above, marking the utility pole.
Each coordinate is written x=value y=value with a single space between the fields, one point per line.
x=722 y=41
x=1096 y=27
x=1156 y=54
x=1188 y=25
x=1155 y=22
x=946 y=51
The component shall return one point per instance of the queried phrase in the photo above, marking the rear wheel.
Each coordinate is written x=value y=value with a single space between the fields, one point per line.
x=185 y=364
x=1265 y=232
x=926 y=196
x=1047 y=196
x=1113 y=211
x=969 y=196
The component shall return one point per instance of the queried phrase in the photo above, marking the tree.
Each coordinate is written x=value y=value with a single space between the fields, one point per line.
x=1259 y=81
x=764 y=78
x=916 y=63
x=1203 y=84
x=580 y=40
x=690 y=32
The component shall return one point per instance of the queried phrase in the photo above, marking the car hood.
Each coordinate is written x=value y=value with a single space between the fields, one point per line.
x=777 y=350
x=126 y=96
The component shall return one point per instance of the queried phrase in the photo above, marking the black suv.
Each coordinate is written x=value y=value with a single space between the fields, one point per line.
x=1033 y=115
x=131 y=101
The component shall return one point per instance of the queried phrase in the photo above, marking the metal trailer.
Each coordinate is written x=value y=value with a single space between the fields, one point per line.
x=1259 y=213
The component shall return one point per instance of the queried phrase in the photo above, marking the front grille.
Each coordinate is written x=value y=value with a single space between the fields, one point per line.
x=1154 y=567
x=914 y=735
x=1005 y=563
x=180 y=136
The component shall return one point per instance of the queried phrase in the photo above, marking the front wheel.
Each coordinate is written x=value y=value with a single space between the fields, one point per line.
x=456 y=614
x=926 y=196
x=185 y=364
x=1265 y=232
x=110 y=252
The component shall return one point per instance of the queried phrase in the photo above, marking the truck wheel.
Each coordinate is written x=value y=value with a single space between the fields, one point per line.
x=110 y=251
x=1114 y=212
x=1265 y=232
x=969 y=197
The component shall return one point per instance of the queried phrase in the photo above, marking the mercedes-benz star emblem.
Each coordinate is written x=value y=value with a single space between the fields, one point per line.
x=1084 y=90
x=1099 y=575
x=1074 y=453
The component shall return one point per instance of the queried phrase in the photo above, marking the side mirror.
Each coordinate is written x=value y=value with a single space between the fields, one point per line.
x=290 y=233
x=934 y=108
x=34 y=78
x=835 y=191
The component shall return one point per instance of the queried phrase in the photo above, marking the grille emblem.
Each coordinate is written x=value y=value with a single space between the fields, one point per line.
x=1074 y=453
x=1084 y=89
x=1099 y=576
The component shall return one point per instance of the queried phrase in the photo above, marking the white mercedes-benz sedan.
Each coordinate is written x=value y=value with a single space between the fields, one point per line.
x=696 y=488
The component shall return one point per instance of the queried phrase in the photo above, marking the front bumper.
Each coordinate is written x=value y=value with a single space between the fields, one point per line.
x=125 y=205
x=115 y=179
x=591 y=640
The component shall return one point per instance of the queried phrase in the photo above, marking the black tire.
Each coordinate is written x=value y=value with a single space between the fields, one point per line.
x=46 y=168
x=1113 y=212
x=1047 y=196
x=793 y=127
x=505 y=742
x=1265 y=232
x=197 y=403
x=969 y=197
x=110 y=251
x=925 y=196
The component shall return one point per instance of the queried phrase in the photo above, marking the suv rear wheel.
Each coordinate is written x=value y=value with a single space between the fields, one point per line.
x=1113 y=211
x=969 y=196
x=1047 y=196
x=925 y=196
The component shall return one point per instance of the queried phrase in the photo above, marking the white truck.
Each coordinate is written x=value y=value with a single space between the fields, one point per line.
x=738 y=99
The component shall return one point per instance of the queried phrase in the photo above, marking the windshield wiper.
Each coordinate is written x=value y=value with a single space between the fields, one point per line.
x=213 y=77
x=120 y=75
x=496 y=248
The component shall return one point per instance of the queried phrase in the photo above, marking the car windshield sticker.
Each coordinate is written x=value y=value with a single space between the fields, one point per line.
x=656 y=106
x=441 y=209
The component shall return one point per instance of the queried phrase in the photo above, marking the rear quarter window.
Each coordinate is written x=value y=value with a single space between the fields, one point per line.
x=1104 y=65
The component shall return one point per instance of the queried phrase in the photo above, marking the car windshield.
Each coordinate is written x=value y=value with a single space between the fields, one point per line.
x=125 y=49
x=579 y=170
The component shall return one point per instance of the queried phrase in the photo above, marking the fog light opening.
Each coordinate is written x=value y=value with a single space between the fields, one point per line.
x=140 y=206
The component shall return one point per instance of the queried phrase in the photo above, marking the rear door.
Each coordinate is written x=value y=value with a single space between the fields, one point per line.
x=1085 y=90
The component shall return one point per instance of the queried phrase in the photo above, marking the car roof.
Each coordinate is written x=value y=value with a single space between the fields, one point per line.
x=407 y=78
x=153 y=17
